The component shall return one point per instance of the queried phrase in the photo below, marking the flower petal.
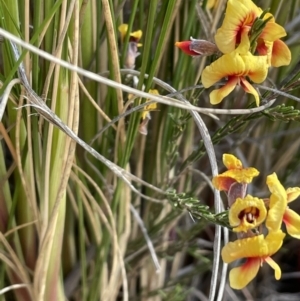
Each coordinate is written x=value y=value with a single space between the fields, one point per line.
x=265 y=48
x=292 y=223
x=150 y=107
x=222 y=183
x=239 y=277
x=134 y=36
x=257 y=67
x=292 y=193
x=247 y=213
x=274 y=241
x=235 y=66
x=274 y=266
x=281 y=54
x=232 y=162
x=249 y=89
x=272 y=31
x=240 y=14
x=245 y=248
x=230 y=64
x=244 y=175
x=218 y=95
x=256 y=246
x=256 y=249
x=226 y=39
x=236 y=190
x=137 y=35
x=278 y=203
x=235 y=173
x=123 y=30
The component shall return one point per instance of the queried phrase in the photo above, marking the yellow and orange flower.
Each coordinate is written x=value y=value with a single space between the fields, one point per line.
x=235 y=66
x=239 y=18
x=235 y=173
x=279 y=211
x=247 y=213
x=255 y=250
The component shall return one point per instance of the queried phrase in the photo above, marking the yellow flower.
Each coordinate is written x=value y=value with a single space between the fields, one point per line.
x=277 y=51
x=132 y=49
x=235 y=66
x=247 y=213
x=239 y=18
x=256 y=250
x=152 y=106
x=279 y=211
x=277 y=205
x=134 y=36
x=146 y=114
x=235 y=173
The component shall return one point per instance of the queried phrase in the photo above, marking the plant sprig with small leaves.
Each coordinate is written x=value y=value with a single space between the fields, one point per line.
x=183 y=201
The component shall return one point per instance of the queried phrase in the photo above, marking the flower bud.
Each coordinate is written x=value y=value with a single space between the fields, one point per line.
x=196 y=47
x=131 y=55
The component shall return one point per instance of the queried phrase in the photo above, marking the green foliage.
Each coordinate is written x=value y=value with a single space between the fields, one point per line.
x=183 y=201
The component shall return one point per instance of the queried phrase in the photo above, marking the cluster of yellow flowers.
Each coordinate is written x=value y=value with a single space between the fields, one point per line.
x=252 y=217
x=249 y=40
x=131 y=54
x=247 y=45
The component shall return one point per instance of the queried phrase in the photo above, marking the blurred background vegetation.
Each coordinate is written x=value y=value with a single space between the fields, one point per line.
x=71 y=229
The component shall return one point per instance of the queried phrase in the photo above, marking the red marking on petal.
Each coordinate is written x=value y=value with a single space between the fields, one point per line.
x=133 y=39
x=261 y=48
x=223 y=183
x=185 y=47
x=251 y=261
x=286 y=218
